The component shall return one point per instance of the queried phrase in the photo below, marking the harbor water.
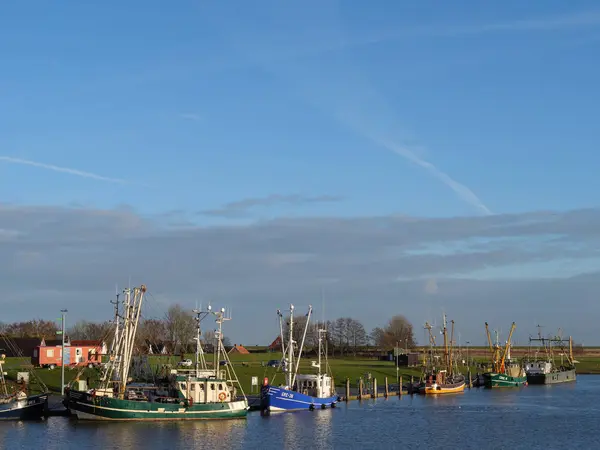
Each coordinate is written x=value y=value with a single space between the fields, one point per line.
x=532 y=417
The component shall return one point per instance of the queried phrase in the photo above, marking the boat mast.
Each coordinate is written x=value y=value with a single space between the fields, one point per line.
x=133 y=308
x=290 y=349
x=302 y=344
x=2 y=380
x=200 y=360
x=281 y=332
x=451 y=347
x=445 y=332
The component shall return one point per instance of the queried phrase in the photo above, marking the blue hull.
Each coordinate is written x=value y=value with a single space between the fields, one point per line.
x=278 y=399
x=30 y=408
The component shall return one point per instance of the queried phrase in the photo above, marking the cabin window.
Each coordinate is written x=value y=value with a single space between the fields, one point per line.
x=220 y=387
x=50 y=353
x=201 y=385
x=182 y=386
x=193 y=387
x=212 y=386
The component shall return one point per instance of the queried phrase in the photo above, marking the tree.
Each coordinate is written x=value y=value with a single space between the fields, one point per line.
x=151 y=332
x=398 y=331
x=34 y=328
x=91 y=331
x=181 y=327
x=298 y=331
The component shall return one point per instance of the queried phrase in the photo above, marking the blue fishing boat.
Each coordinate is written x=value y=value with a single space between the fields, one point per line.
x=299 y=391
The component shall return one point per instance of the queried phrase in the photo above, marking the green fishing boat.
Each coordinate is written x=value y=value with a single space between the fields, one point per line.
x=506 y=371
x=191 y=394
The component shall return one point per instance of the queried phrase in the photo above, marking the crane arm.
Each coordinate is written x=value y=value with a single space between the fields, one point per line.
x=512 y=329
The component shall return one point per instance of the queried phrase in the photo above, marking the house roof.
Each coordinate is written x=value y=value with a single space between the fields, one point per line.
x=276 y=343
x=239 y=348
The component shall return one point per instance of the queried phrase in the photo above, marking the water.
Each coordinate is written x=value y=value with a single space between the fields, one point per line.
x=534 y=417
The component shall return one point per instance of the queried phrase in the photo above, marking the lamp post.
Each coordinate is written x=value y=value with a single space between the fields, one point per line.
x=62 y=353
x=397 y=368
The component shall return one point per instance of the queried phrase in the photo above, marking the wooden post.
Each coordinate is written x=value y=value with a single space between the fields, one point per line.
x=387 y=391
x=375 y=393
x=360 y=388
x=400 y=386
x=347 y=389
x=470 y=381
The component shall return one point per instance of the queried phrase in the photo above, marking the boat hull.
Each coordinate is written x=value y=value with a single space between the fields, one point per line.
x=563 y=376
x=442 y=389
x=499 y=380
x=273 y=399
x=87 y=407
x=33 y=407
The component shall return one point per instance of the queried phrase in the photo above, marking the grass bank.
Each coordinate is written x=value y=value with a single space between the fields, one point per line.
x=254 y=365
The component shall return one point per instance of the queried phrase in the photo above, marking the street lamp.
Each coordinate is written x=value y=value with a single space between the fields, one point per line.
x=62 y=353
x=397 y=368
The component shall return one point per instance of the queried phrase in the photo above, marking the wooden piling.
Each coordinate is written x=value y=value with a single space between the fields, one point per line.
x=470 y=380
x=375 y=391
x=360 y=388
x=347 y=389
x=387 y=391
x=400 y=386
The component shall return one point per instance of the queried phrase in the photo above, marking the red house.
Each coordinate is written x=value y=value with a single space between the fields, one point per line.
x=77 y=353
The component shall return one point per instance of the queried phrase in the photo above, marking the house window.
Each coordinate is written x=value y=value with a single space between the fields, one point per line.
x=50 y=353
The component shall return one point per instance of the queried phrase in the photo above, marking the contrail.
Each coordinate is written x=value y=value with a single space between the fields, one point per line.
x=460 y=189
x=79 y=173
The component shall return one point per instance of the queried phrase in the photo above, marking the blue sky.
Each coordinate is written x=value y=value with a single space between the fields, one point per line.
x=427 y=109
x=204 y=102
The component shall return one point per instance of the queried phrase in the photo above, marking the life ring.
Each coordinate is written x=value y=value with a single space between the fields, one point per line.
x=222 y=396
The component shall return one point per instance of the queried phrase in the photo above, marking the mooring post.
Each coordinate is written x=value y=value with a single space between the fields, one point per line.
x=470 y=381
x=375 y=392
x=360 y=388
x=400 y=386
x=347 y=389
x=387 y=390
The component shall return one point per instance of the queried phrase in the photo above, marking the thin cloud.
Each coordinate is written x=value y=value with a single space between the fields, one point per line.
x=191 y=116
x=550 y=23
x=68 y=170
x=460 y=189
x=240 y=208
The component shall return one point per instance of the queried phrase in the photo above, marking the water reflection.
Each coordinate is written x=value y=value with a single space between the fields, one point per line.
x=564 y=416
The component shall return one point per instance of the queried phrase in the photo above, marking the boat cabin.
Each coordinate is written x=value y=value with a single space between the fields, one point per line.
x=538 y=367
x=204 y=390
x=320 y=386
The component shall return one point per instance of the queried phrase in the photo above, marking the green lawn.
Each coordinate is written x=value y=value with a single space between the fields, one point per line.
x=253 y=365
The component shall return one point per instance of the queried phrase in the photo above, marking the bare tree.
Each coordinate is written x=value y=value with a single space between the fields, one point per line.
x=91 y=330
x=397 y=331
x=34 y=328
x=151 y=332
x=181 y=327
x=298 y=331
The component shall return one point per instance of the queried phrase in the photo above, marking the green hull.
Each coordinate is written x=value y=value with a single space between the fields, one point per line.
x=86 y=406
x=499 y=380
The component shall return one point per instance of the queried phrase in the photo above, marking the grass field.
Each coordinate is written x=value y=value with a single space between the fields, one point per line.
x=253 y=365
